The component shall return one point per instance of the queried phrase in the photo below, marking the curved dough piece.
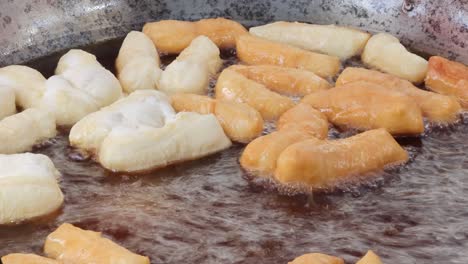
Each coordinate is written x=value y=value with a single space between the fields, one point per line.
x=257 y=51
x=28 y=187
x=289 y=81
x=190 y=72
x=241 y=122
x=260 y=155
x=436 y=107
x=370 y=258
x=300 y=123
x=19 y=258
x=448 y=77
x=364 y=105
x=70 y=244
x=143 y=108
x=333 y=40
x=187 y=137
x=28 y=84
x=7 y=102
x=316 y=258
x=304 y=118
x=384 y=52
x=172 y=36
x=321 y=164
x=138 y=64
x=234 y=87
x=82 y=86
x=20 y=132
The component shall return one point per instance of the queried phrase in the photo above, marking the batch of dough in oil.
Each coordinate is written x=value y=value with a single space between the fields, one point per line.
x=147 y=117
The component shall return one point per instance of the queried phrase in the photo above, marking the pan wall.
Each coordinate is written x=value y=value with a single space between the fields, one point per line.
x=34 y=28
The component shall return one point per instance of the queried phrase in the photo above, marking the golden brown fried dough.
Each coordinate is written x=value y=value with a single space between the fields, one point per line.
x=343 y=42
x=260 y=155
x=221 y=31
x=448 y=77
x=304 y=118
x=234 y=87
x=300 y=123
x=364 y=105
x=172 y=36
x=370 y=258
x=257 y=51
x=321 y=164
x=316 y=258
x=71 y=244
x=436 y=107
x=19 y=258
x=241 y=122
x=290 y=81
x=193 y=103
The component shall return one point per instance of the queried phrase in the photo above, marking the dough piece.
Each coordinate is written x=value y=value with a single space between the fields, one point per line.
x=71 y=244
x=448 y=77
x=138 y=64
x=75 y=58
x=190 y=72
x=193 y=103
x=20 y=258
x=28 y=84
x=370 y=258
x=7 y=102
x=20 y=132
x=436 y=107
x=343 y=42
x=172 y=36
x=28 y=187
x=256 y=51
x=83 y=86
x=141 y=132
x=241 y=122
x=304 y=118
x=364 y=105
x=260 y=155
x=322 y=164
x=187 y=137
x=234 y=87
x=316 y=258
x=300 y=123
x=384 y=52
x=289 y=81
x=142 y=108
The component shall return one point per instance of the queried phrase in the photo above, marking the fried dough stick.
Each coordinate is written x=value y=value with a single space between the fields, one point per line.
x=449 y=78
x=436 y=107
x=173 y=36
x=256 y=51
x=300 y=123
x=241 y=122
x=289 y=81
x=364 y=105
x=71 y=244
x=322 y=164
x=234 y=87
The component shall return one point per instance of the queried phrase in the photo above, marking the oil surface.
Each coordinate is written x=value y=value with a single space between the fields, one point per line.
x=205 y=211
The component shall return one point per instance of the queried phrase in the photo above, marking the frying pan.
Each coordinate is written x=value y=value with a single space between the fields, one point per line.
x=206 y=211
